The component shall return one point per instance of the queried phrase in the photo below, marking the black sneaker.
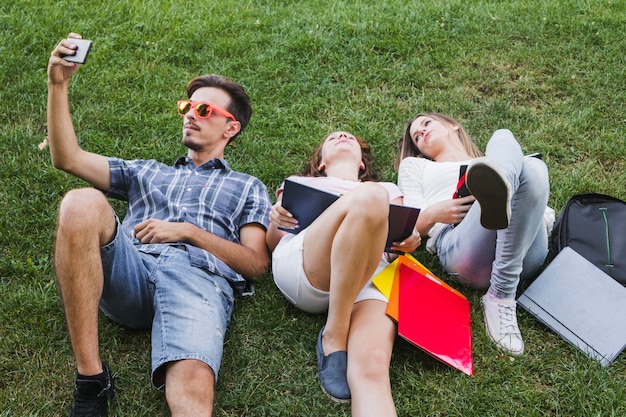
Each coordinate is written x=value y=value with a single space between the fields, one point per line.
x=91 y=397
x=489 y=185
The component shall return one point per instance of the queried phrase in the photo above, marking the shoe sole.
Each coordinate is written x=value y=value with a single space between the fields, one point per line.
x=335 y=399
x=492 y=193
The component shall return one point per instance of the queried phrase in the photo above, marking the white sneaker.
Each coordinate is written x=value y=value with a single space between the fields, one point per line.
x=487 y=183
x=501 y=323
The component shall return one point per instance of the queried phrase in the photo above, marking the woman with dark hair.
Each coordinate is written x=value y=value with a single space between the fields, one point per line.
x=489 y=245
x=329 y=266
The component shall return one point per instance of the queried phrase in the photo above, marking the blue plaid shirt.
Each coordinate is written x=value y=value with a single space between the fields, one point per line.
x=211 y=196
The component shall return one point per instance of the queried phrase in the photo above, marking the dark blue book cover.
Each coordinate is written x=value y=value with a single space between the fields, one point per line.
x=306 y=203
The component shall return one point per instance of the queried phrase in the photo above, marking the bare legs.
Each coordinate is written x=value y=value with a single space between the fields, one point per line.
x=372 y=334
x=86 y=222
x=342 y=249
x=190 y=388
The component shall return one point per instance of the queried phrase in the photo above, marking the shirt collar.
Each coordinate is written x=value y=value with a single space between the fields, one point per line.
x=215 y=163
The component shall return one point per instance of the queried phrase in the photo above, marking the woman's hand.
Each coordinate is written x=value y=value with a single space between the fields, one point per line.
x=280 y=217
x=452 y=211
x=409 y=244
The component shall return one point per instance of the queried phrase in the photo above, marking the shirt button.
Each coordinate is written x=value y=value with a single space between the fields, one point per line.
x=189 y=189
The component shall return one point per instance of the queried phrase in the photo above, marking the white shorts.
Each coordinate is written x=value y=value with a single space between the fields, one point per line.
x=289 y=276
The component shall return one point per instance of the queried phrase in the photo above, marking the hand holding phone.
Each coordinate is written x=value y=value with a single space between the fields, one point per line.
x=80 y=53
x=461 y=189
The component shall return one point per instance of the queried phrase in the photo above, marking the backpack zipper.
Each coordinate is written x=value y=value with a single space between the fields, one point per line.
x=604 y=210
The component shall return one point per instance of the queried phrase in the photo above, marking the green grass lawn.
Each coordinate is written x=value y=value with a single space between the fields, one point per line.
x=553 y=72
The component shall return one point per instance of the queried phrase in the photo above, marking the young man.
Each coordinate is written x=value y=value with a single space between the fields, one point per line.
x=194 y=233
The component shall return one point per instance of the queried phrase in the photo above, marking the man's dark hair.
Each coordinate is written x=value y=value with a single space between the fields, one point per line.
x=239 y=106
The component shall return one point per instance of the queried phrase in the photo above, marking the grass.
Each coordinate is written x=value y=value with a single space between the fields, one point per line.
x=552 y=72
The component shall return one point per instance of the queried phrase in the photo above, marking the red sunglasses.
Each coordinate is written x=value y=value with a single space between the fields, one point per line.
x=203 y=110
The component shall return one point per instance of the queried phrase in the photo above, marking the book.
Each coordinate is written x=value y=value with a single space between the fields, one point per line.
x=435 y=318
x=387 y=283
x=580 y=303
x=306 y=203
x=431 y=315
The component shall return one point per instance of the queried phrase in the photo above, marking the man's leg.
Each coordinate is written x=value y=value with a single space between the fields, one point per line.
x=85 y=223
x=192 y=311
x=190 y=388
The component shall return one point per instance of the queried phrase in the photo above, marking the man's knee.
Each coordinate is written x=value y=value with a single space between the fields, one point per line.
x=188 y=371
x=82 y=200
x=189 y=385
x=83 y=205
x=84 y=214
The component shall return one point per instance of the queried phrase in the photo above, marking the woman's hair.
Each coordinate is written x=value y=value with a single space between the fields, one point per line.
x=311 y=168
x=406 y=146
x=239 y=106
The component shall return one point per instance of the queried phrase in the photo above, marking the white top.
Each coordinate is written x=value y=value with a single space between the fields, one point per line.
x=425 y=182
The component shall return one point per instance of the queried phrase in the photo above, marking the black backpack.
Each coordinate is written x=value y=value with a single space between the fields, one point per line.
x=594 y=225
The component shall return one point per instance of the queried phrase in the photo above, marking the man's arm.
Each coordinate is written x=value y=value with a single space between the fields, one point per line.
x=250 y=258
x=255 y=258
x=64 y=149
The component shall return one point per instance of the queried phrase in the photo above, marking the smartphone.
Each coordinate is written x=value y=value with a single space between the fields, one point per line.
x=461 y=190
x=81 y=52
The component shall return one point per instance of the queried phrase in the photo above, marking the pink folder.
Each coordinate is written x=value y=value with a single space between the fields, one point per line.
x=435 y=318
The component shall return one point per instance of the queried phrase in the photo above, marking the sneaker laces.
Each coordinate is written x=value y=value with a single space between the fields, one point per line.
x=508 y=320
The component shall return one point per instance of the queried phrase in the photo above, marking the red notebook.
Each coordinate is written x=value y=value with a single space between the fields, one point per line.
x=435 y=318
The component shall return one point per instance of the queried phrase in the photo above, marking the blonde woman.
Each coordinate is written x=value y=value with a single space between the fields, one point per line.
x=489 y=245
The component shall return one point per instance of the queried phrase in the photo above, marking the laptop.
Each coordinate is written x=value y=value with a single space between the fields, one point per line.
x=582 y=304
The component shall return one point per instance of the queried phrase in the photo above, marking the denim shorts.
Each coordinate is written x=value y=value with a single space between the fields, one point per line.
x=187 y=308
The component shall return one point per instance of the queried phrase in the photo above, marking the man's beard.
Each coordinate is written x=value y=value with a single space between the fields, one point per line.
x=190 y=144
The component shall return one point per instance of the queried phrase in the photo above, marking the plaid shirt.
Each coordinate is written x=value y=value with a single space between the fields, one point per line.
x=211 y=196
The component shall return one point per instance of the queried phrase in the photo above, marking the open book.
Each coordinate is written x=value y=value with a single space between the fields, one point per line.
x=306 y=203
